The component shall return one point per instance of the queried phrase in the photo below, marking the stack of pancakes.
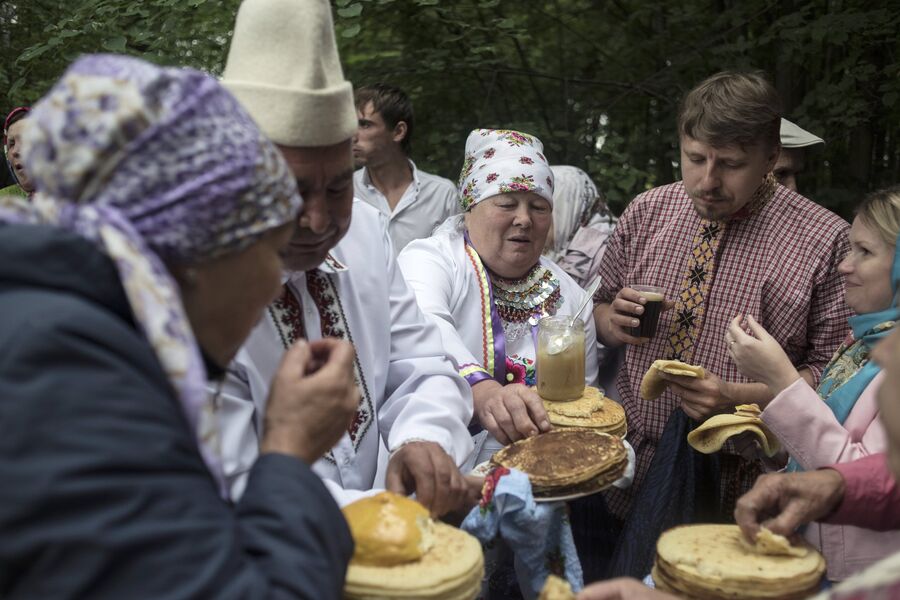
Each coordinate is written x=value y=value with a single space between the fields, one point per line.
x=401 y=553
x=712 y=562
x=566 y=462
x=592 y=411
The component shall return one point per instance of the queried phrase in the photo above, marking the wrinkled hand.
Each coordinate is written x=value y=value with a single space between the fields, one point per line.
x=509 y=412
x=785 y=501
x=701 y=398
x=623 y=588
x=424 y=468
x=312 y=400
x=626 y=310
x=759 y=356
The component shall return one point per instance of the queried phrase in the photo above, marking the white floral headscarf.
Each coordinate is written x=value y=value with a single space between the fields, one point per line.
x=499 y=161
x=575 y=200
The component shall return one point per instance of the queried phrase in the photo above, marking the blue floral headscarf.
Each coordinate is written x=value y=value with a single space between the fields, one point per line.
x=850 y=370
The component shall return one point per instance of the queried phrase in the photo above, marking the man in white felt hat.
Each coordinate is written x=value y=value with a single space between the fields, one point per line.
x=342 y=282
x=792 y=160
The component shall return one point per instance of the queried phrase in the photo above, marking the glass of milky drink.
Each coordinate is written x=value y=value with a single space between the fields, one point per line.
x=655 y=297
x=560 y=358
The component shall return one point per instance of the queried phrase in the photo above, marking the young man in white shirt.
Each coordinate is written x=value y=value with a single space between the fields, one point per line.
x=413 y=201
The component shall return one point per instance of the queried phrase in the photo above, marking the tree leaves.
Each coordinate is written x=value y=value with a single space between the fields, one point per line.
x=598 y=82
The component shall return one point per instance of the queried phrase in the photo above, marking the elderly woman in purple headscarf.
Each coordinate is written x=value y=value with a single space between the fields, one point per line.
x=148 y=252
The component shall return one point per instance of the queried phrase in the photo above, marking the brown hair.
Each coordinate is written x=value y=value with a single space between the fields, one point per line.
x=732 y=108
x=880 y=211
x=392 y=104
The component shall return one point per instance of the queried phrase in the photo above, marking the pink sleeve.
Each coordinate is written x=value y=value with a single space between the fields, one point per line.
x=812 y=435
x=871 y=496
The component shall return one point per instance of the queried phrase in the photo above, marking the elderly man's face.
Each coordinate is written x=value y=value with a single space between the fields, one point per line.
x=509 y=230
x=790 y=163
x=325 y=180
x=887 y=355
x=14 y=154
x=721 y=181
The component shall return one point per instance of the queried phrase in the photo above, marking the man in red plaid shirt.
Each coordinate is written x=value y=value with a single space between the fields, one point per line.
x=726 y=240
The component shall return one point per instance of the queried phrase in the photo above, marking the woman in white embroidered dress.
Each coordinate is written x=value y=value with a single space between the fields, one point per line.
x=482 y=279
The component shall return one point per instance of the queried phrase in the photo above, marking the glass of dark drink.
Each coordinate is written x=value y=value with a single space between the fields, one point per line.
x=655 y=297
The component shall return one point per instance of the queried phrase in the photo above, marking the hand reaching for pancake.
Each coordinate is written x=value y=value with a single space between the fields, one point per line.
x=782 y=502
x=509 y=412
x=759 y=356
x=312 y=401
x=425 y=469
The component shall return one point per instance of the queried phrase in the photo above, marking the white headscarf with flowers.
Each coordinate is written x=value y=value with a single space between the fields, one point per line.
x=500 y=161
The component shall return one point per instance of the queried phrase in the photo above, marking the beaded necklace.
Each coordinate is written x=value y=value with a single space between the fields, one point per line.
x=521 y=302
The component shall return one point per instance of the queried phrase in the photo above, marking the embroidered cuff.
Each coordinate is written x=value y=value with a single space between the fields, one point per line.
x=473 y=373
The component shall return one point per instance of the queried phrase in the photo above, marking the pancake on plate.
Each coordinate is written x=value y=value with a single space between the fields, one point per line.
x=592 y=411
x=566 y=461
x=712 y=562
x=653 y=385
x=710 y=436
x=402 y=553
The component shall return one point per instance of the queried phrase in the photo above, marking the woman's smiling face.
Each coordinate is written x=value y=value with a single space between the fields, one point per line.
x=509 y=231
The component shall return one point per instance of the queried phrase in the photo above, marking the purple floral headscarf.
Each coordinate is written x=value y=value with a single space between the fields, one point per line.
x=499 y=161
x=155 y=164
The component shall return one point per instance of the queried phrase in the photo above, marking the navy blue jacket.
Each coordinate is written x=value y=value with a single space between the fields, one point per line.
x=103 y=493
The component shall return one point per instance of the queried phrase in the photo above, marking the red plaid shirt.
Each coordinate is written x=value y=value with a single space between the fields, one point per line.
x=778 y=264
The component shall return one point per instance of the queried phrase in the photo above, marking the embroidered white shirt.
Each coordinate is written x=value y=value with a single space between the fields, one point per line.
x=448 y=290
x=425 y=204
x=414 y=391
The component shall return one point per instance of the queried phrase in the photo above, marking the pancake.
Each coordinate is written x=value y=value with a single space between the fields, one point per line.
x=597 y=484
x=389 y=529
x=556 y=588
x=563 y=457
x=712 y=434
x=774 y=544
x=710 y=561
x=592 y=411
x=451 y=570
x=591 y=400
x=653 y=385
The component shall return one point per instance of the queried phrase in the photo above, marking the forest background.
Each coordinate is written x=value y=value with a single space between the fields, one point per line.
x=598 y=81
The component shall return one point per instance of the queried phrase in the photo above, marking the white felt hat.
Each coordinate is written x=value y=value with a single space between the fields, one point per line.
x=283 y=66
x=793 y=136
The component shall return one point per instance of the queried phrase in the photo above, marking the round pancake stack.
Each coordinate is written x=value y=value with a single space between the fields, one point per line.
x=712 y=562
x=566 y=462
x=592 y=411
x=401 y=553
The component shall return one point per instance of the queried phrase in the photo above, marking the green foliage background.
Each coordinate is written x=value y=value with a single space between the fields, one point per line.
x=597 y=81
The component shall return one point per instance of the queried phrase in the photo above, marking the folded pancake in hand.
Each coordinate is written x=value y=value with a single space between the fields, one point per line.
x=592 y=411
x=653 y=385
x=401 y=553
x=556 y=588
x=566 y=461
x=712 y=562
x=715 y=431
